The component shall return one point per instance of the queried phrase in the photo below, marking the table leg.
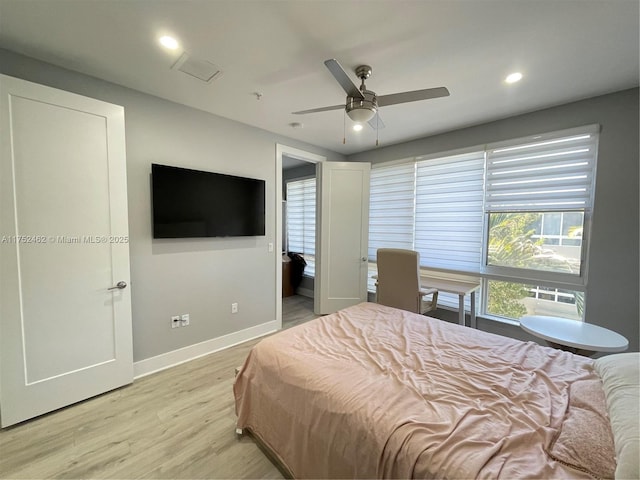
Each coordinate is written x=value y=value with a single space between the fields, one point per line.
x=473 y=310
x=461 y=309
x=577 y=351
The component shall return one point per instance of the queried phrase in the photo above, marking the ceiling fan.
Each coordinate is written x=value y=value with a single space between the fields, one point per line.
x=362 y=104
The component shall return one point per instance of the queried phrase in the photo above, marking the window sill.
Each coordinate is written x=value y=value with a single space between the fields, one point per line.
x=485 y=317
x=495 y=318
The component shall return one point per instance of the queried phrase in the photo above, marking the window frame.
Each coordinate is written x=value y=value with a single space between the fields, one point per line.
x=558 y=279
x=555 y=279
x=540 y=278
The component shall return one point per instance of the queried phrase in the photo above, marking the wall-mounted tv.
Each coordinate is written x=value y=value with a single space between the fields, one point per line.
x=193 y=203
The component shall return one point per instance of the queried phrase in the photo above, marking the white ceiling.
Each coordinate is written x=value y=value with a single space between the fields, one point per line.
x=566 y=49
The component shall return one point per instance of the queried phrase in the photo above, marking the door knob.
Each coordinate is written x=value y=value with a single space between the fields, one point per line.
x=364 y=259
x=119 y=286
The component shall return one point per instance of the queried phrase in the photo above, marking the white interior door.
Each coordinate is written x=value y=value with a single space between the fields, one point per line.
x=342 y=234
x=65 y=335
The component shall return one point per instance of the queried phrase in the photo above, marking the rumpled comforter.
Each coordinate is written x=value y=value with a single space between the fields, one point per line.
x=376 y=392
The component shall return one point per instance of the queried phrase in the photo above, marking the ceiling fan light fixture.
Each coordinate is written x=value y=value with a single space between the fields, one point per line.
x=357 y=127
x=361 y=110
x=361 y=114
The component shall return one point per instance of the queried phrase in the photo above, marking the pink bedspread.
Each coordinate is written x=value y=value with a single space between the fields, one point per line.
x=375 y=392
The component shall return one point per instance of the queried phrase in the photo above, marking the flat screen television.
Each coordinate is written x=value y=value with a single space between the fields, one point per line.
x=193 y=203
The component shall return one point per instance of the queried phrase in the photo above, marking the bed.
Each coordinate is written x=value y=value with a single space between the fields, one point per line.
x=376 y=392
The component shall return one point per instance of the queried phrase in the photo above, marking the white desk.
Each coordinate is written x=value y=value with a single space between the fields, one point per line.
x=458 y=287
x=573 y=335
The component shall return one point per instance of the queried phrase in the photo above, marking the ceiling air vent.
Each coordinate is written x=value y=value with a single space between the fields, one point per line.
x=200 y=69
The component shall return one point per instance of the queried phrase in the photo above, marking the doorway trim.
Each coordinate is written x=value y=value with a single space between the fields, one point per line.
x=299 y=155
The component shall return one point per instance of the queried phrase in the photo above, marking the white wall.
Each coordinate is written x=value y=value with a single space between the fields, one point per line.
x=201 y=277
x=613 y=288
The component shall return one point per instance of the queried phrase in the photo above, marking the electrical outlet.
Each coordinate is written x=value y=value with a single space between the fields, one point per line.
x=234 y=308
x=184 y=318
x=175 y=321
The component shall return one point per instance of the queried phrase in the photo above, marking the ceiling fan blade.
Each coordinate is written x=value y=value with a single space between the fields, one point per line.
x=343 y=79
x=413 y=96
x=376 y=122
x=321 y=109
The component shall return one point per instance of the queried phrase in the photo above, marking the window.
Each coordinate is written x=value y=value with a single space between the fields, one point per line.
x=516 y=214
x=514 y=299
x=391 y=207
x=517 y=240
x=301 y=220
x=564 y=228
x=433 y=206
x=538 y=201
x=391 y=211
x=448 y=228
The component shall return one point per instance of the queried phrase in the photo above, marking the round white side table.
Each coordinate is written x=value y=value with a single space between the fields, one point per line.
x=573 y=335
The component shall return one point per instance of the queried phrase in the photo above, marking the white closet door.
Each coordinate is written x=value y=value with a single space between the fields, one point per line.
x=64 y=334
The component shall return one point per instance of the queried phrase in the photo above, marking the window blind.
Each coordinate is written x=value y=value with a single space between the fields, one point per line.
x=448 y=219
x=555 y=172
x=391 y=210
x=301 y=220
x=391 y=207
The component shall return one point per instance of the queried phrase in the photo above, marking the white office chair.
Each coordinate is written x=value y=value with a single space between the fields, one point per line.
x=398 y=283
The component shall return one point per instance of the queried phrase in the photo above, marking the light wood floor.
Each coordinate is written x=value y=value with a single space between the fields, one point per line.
x=178 y=423
x=296 y=309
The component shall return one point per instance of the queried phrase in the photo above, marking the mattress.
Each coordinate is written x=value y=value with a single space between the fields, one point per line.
x=376 y=392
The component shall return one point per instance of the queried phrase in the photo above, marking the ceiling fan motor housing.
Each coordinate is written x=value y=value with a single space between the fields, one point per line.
x=362 y=110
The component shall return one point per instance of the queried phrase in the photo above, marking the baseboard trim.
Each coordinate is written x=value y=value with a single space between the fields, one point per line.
x=155 y=364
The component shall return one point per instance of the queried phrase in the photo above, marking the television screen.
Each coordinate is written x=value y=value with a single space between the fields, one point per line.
x=193 y=203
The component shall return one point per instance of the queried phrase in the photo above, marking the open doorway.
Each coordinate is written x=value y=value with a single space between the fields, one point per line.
x=298 y=227
x=291 y=164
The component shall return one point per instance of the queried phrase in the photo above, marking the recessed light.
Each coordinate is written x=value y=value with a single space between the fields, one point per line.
x=513 y=77
x=169 y=42
x=357 y=127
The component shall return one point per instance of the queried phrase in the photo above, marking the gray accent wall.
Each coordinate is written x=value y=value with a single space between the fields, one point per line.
x=201 y=277
x=613 y=286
